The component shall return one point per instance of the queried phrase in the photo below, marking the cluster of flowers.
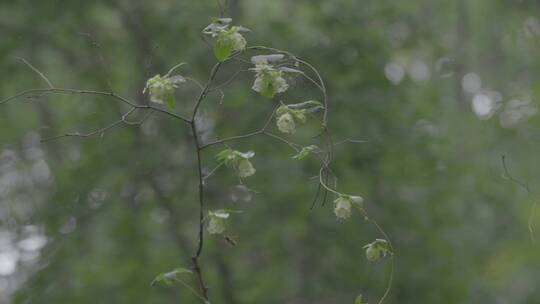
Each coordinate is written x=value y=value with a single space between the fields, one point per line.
x=269 y=81
x=238 y=161
x=228 y=39
x=161 y=89
x=377 y=250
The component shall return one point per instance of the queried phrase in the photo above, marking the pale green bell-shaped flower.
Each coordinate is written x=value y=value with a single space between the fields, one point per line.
x=285 y=123
x=216 y=225
x=245 y=168
x=161 y=89
x=343 y=206
x=268 y=81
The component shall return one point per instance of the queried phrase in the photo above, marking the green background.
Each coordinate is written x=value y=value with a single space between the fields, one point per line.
x=94 y=220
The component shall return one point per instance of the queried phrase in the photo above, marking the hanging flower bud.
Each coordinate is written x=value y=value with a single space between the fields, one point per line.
x=373 y=254
x=216 y=225
x=238 y=161
x=238 y=41
x=228 y=39
x=377 y=250
x=161 y=89
x=287 y=117
x=285 y=123
x=268 y=80
x=342 y=207
x=245 y=168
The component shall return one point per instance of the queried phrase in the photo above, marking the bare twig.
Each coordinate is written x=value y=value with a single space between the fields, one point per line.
x=41 y=92
x=209 y=174
x=353 y=141
x=525 y=186
x=101 y=131
x=508 y=176
x=228 y=81
x=244 y=136
x=36 y=71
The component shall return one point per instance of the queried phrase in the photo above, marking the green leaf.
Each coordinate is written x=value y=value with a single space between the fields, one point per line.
x=259 y=59
x=170 y=101
x=222 y=20
x=305 y=104
x=359 y=300
x=227 y=211
x=300 y=115
x=224 y=155
x=290 y=70
x=223 y=47
x=168 y=278
x=309 y=106
x=268 y=89
x=305 y=152
x=246 y=155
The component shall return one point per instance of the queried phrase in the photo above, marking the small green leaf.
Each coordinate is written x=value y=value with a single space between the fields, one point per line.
x=259 y=59
x=359 y=300
x=222 y=20
x=170 y=101
x=246 y=155
x=267 y=88
x=305 y=152
x=309 y=106
x=168 y=278
x=224 y=155
x=224 y=211
x=223 y=47
x=290 y=70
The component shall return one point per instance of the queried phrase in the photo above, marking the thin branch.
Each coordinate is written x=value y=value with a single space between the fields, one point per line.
x=174 y=68
x=101 y=131
x=195 y=82
x=508 y=176
x=192 y=290
x=232 y=138
x=90 y=92
x=36 y=70
x=228 y=81
x=294 y=146
x=353 y=141
x=392 y=262
x=530 y=223
x=244 y=136
x=209 y=174
x=192 y=122
x=213 y=74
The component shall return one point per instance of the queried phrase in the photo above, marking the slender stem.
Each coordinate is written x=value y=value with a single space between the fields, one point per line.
x=232 y=138
x=201 y=191
x=90 y=92
x=193 y=291
x=392 y=258
x=195 y=258
x=213 y=74
x=100 y=130
x=197 y=144
x=174 y=68
x=244 y=136
x=33 y=68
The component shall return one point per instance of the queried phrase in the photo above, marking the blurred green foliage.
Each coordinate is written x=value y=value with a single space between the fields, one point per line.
x=439 y=89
